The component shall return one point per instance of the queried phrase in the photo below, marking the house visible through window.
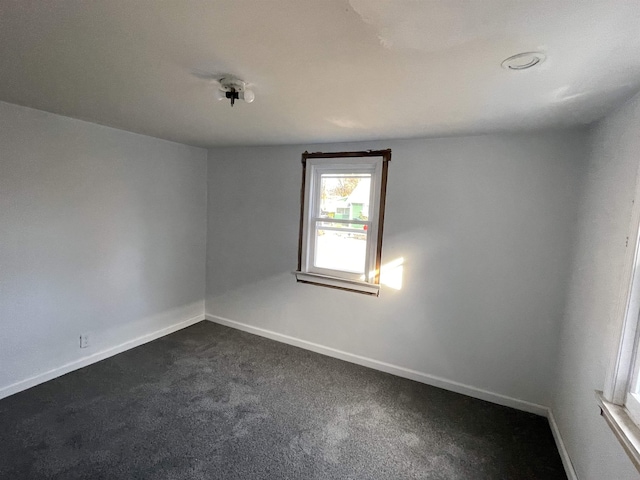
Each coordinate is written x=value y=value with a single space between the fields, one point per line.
x=341 y=219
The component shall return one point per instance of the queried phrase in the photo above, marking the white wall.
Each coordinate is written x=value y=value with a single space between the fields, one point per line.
x=587 y=341
x=484 y=224
x=103 y=231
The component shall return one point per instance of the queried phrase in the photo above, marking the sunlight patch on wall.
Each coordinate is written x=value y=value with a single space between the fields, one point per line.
x=391 y=274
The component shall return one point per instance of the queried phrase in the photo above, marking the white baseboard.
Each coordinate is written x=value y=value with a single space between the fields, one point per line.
x=414 y=375
x=387 y=367
x=332 y=352
x=96 y=357
x=564 y=455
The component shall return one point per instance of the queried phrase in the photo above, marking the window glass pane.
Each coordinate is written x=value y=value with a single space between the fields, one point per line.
x=345 y=196
x=338 y=250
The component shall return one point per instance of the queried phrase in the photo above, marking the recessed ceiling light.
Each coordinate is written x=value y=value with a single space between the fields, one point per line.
x=522 y=61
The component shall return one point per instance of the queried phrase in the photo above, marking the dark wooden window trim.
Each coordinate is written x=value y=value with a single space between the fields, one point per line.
x=386 y=158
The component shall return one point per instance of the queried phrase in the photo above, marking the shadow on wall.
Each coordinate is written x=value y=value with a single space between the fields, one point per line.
x=56 y=355
x=442 y=309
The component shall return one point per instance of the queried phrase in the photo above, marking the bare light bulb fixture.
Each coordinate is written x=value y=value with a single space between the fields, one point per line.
x=234 y=89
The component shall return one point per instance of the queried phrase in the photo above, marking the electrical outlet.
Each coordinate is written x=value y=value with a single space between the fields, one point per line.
x=84 y=340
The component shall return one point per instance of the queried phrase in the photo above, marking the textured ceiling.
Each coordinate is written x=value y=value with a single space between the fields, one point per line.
x=322 y=70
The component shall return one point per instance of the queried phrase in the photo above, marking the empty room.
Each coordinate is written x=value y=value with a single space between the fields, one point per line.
x=320 y=239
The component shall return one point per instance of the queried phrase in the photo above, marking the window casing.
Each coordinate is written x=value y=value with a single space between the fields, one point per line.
x=620 y=399
x=340 y=242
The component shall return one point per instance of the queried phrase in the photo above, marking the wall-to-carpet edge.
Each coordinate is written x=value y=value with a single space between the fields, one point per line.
x=95 y=357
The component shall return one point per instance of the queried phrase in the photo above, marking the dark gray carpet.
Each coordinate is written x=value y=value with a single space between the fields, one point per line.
x=209 y=402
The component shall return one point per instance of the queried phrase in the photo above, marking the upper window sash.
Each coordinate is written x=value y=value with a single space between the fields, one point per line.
x=318 y=169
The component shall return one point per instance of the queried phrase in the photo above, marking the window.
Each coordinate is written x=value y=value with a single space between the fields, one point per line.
x=341 y=219
x=620 y=400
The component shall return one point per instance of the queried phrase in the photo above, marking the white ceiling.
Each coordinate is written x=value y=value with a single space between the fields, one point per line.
x=322 y=70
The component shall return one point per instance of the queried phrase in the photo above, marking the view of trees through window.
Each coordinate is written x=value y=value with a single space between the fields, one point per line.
x=341 y=187
x=341 y=238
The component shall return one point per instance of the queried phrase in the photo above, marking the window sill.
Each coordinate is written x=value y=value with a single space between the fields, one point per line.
x=623 y=427
x=337 y=282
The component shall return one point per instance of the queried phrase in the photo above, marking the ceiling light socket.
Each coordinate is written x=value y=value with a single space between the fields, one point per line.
x=523 y=61
x=233 y=89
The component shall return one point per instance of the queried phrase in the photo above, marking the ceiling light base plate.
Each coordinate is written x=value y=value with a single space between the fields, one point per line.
x=232 y=84
x=233 y=89
x=523 y=61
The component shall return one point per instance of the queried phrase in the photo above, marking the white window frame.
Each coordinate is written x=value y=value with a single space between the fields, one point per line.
x=373 y=163
x=620 y=399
